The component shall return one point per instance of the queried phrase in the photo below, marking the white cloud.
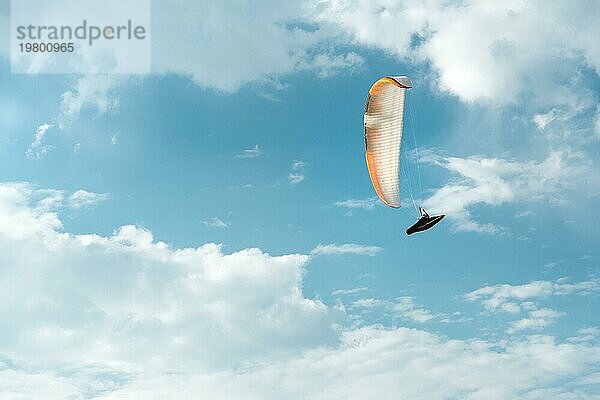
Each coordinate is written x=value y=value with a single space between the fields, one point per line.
x=217 y=223
x=536 y=319
x=498 y=53
x=298 y=165
x=295 y=178
x=522 y=214
x=346 y=248
x=588 y=334
x=405 y=307
x=126 y=297
x=37 y=149
x=23 y=384
x=400 y=363
x=537 y=56
x=479 y=51
x=505 y=297
x=250 y=153
x=326 y=65
x=94 y=92
x=125 y=316
x=391 y=364
x=364 y=204
x=542 y=120
x=494 y=182
x=524 y=299
x=83 y=198
x=220 y=47
x=344 y=292
x=223 y=47
x=597 y=124
x=369 y=303
x=297 y=174
x=227 y=47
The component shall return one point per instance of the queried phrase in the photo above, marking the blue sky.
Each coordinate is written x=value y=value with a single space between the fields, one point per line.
x=211 y=226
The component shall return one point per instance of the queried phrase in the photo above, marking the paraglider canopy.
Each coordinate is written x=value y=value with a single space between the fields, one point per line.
x=383 y=121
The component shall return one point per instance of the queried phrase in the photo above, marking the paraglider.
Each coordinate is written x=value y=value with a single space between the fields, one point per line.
x=383 y=122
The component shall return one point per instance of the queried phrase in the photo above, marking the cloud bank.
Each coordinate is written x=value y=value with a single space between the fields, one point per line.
x=125 y=316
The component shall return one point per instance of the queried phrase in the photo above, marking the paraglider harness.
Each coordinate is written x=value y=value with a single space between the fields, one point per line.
x=424 y=223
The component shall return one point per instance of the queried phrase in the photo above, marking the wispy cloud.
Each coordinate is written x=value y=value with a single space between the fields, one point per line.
x=536 y=319
x=216 y=223
x=250 y=153
x=542 y=120
x=506 y=297
x=404 y=308
x=83 y=198
x=95 y=92
x=347 y=248
x=524 y=299
x=362 y=204
x=295 y=178
x=297 y=174
x=327 y=65
x=522 y=214
x=345 y=292
x=493 y=182
x=369 y=303
x=37 y=149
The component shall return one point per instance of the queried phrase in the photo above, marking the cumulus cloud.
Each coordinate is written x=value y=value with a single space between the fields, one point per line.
x=500 y=53
x=494 y=182
x=388 y=364
x=220 y=47
x=124 y=315
x=93 y=299
x=535 y=55
x=270 y=40
x=346 y=248
x=479 y=51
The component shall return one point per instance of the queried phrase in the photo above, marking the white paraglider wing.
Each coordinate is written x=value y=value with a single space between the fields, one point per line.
x=383 y=122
